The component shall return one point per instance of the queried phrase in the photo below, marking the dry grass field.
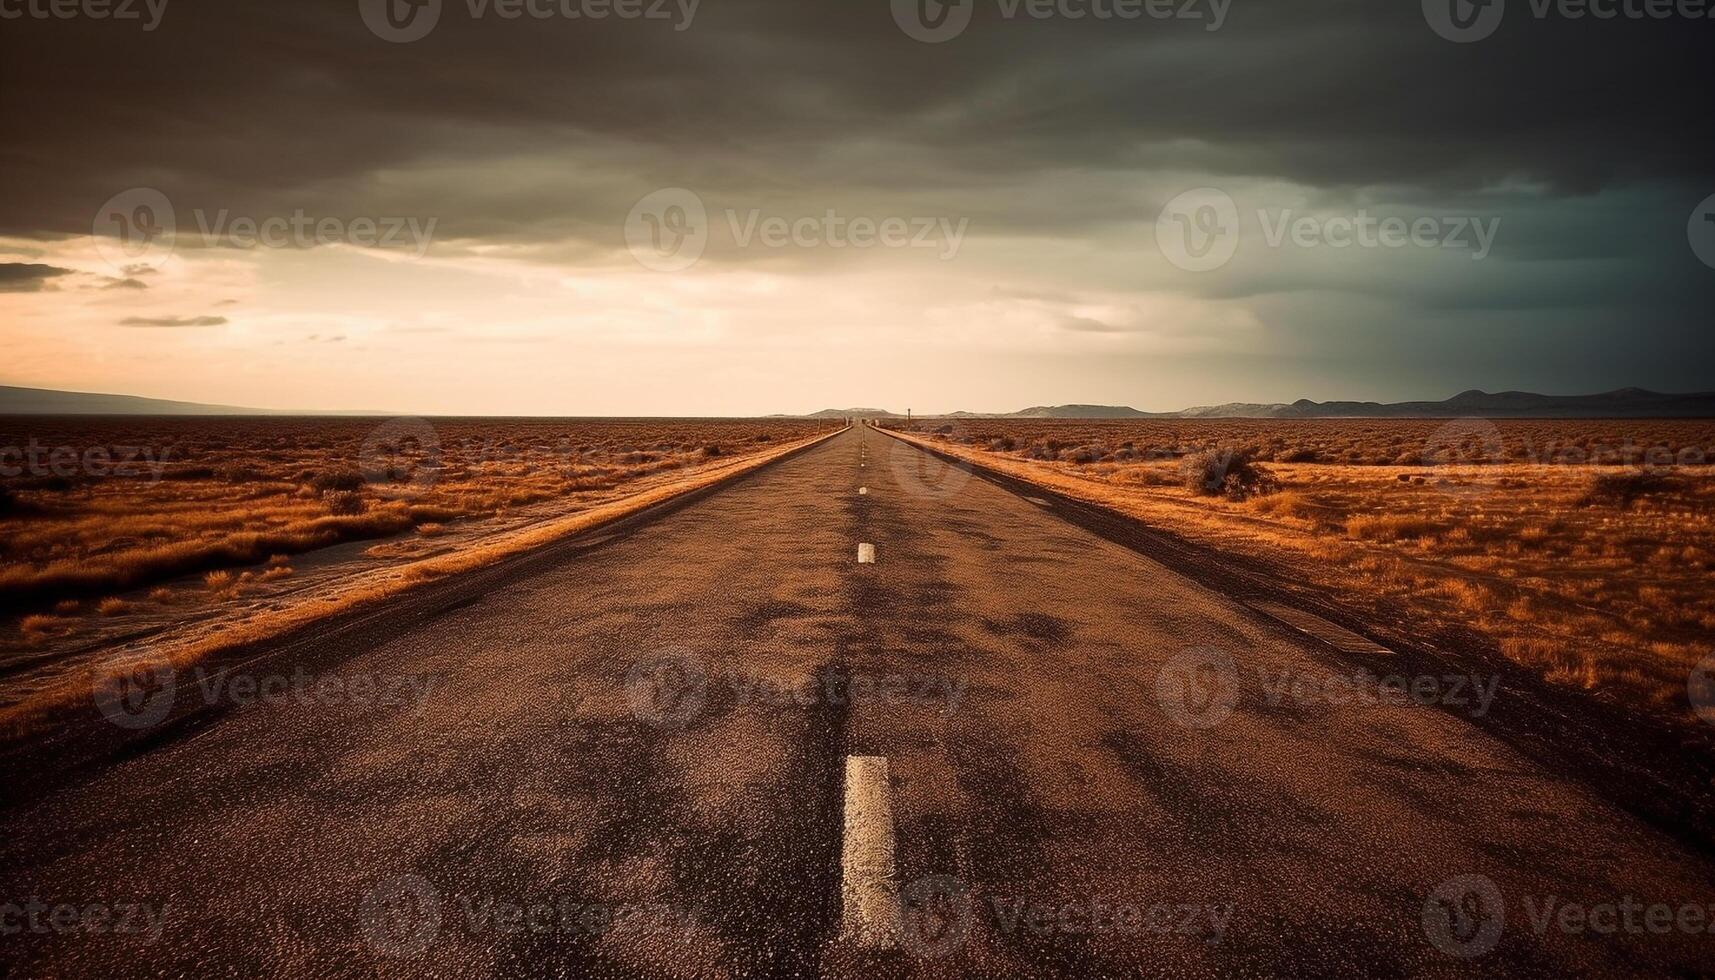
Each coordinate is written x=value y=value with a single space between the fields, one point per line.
x=1583 y=549
x=115 y=527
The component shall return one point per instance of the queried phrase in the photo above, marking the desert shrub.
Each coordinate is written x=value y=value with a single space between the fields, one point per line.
x=344 y=503
x=337 y=480
x=1004 y=444
x=1621 y=489
x=1230 y=473
x=1388 y=527
x=1290 y=504
x=764 y=437
x=1300 y=456
x=1084 y=455
x=711 y=450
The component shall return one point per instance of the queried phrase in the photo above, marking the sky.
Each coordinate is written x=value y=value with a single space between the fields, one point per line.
x=738 y=207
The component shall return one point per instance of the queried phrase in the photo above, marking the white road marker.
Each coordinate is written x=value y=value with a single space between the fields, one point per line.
x=863 y=491
x=869 y=913
x=866 y=554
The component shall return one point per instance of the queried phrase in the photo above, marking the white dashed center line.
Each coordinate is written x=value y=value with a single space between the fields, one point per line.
x=869 y=914
x=866 y=554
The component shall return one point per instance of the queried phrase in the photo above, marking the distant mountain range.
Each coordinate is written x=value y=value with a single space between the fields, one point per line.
x=1624 y=403
x=43 y=401
x=841 y=413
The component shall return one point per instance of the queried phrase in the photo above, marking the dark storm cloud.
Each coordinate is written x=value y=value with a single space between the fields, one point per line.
x=264 y=107
x=27 y=277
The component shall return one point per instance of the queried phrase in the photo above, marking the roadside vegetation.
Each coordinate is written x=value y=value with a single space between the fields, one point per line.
x=1582 y=549
x=218 y=506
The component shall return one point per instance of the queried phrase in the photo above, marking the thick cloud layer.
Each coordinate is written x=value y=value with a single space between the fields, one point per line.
x=1058 y=139
x=528 y=127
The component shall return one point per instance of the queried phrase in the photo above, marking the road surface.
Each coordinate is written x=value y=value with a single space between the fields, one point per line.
x=633 y=763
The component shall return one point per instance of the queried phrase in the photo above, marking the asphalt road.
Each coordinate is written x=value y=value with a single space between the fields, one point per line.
x=631 y=763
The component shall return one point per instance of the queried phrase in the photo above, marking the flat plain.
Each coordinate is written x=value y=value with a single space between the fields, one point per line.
x=116 y=529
